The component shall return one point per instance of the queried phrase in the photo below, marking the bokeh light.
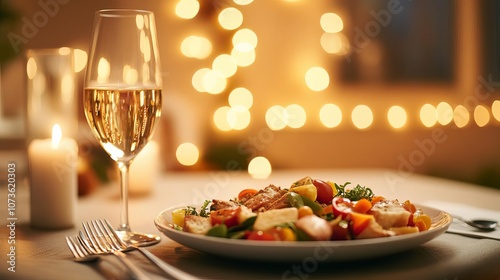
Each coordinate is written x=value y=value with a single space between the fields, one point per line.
x=31 y=68
x=362 y=116
x=335 y=43
x=238 y=117
x=130 y=75
x=225 y=65
x=259 y=168
x=214 y=82
x=240 y=97
x=187 y=9
x=197 y=80
x=220 y=118
x=275 y=117
x=461 y=116
x=397 y=116
x=245 y=40
x=428 y=115
x=444 y=113
x=242 y=2
x=495 y=109
x=196 y=47
x=243 y=58
x=330 y=115
x=230 y=18
x=187 y=154
x=317 y=78
x=295 y=116
x=103 y=71
x=481 y=115
x=331 y=23
x=80 y=59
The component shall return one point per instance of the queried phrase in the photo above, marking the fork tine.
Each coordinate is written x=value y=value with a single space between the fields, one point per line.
x=89 y=246
x=109 y=235
x=110 y=229
x=95 y=239
x=89 y=241
x=72 y=247
x=104 y=236
x=80 y=247
x=93 y=235
x=76 y=247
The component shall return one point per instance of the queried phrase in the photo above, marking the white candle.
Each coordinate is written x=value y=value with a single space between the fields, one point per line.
x=53 y=180
x=144 y=170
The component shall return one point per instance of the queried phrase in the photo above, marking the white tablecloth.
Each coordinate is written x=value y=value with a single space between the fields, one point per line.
x=44 y=254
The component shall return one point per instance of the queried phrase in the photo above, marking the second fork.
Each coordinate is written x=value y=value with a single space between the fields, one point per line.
x=96 y=246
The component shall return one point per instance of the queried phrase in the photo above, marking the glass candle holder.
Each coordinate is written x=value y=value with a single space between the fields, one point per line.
x=51 y=85
x=51 y=129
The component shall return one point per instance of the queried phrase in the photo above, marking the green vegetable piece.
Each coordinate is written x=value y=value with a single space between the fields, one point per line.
x=247 y=224
x=301 y=235
x=295 y=200
x=317 y=209
x=237 y=234
x=218 y=231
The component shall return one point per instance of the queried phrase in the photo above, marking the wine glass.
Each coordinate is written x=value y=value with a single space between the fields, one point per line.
x=122 y=94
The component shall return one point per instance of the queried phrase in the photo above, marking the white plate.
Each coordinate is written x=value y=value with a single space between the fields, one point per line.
x=342 y=250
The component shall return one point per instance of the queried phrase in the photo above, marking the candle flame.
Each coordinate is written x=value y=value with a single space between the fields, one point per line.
x=56 y=136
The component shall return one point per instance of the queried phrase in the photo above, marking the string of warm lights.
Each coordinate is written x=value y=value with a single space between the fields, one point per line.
x=215 y=78
x=236 y=115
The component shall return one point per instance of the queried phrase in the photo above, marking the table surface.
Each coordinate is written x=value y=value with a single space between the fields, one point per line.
x=44 y=254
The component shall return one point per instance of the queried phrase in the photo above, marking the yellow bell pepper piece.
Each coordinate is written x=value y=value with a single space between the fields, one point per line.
x=178 y=217
x=332 y=184
x=308 y=191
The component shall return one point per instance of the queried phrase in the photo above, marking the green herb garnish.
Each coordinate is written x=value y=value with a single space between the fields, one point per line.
x=354 y=194
x=191 y=210
x=204 y=207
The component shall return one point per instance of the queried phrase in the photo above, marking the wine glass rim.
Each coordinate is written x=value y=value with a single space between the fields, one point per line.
x=122 y=12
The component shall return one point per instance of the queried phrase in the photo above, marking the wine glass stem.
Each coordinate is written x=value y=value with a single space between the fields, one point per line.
x=124 y=167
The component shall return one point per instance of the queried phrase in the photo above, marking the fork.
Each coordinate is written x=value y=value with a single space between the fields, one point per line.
x=96 y=245
x=84 y=254
x=81 y=254
x=104 y=228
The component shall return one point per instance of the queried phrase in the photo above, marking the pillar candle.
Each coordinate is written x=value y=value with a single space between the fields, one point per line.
x=53 y=181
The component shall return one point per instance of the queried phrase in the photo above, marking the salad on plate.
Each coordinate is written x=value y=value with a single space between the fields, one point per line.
x=310 y=209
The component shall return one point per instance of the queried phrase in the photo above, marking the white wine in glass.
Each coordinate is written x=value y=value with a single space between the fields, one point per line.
x=122 y=94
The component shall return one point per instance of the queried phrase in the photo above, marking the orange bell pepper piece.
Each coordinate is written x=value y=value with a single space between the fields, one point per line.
x=362 y=206
x=359 y=222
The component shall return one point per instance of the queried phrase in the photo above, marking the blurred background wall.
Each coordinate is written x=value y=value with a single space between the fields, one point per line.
x=407 y=85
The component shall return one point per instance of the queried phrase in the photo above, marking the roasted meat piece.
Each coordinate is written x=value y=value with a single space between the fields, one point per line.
x=263 y=198
x=280 y=203
x=223 y=204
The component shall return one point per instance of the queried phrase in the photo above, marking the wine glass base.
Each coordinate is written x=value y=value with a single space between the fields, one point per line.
x=138 y=238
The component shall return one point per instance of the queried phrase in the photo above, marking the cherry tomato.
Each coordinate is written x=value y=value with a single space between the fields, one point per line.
x=246 y=193
x=228 y=217
x=261 y=236
x=305 y=211
x=280 y=233
x=324 y=190
x=340 y=231
x=341 y=207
